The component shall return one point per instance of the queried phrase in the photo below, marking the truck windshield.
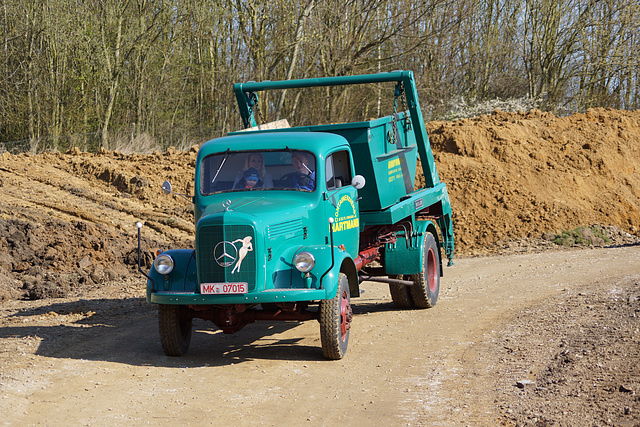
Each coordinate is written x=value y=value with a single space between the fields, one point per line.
x=258 y=170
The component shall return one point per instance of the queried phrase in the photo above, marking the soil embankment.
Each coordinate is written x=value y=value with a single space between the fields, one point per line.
x=67 y=220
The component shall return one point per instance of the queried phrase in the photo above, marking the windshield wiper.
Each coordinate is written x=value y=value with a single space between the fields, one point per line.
x=226 y=156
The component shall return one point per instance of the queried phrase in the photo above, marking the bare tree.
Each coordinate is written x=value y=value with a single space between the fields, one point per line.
x=167 y=68
x=552 y=29
x=609 y=55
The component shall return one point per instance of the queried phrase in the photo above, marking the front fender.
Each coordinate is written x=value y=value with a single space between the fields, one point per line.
x=323 y=275
x=183 y=278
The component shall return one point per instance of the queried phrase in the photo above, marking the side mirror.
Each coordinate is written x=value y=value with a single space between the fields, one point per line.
x=166 y=187
x=358 y=182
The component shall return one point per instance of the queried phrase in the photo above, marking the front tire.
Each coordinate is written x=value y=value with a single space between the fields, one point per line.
x=335 y=321
x=175 y=325
x=426 y=286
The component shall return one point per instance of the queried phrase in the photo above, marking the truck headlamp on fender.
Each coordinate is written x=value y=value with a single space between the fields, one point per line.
x=163 y=264
x=304 y=262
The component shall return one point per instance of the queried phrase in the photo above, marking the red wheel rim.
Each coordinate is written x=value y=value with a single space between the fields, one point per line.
x=432 y=270
x=345 y=316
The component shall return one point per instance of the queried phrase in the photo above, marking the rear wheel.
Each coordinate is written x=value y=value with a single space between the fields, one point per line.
x=400 y=294
x=335 y=321
x=426 y=287
x=174 y=324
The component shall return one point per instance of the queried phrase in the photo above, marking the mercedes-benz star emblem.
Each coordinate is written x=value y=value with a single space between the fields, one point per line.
x=225 y=253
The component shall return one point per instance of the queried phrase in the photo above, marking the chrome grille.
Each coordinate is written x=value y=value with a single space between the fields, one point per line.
x=226 y=242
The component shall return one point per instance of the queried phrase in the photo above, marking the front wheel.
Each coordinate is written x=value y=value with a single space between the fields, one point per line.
x=335 y=321
x=426 y=284
x=175 y=325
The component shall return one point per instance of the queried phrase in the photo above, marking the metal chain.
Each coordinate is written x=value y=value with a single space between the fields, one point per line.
x=394 y=120
x=254 y=97
x=403 y=99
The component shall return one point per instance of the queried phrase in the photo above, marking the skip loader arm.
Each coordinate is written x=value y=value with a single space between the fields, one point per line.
x=247 y=99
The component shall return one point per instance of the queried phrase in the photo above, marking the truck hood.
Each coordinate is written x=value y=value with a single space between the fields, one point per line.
x=266 y=210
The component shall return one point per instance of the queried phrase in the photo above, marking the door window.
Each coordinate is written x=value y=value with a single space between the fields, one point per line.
x=338 y=170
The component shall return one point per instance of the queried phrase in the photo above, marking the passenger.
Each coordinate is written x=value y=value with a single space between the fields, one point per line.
x=255 y=161
x=249 y=180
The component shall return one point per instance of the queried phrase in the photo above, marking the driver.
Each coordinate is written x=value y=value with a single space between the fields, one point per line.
x=303 y=178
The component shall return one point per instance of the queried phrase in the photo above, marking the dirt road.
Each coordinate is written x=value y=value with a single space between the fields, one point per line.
x=97 y=360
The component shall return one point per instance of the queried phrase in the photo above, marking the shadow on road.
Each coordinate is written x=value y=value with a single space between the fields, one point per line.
x=126 y=331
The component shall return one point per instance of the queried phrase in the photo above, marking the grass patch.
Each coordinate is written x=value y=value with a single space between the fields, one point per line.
x=170 y=221
x=583 y=236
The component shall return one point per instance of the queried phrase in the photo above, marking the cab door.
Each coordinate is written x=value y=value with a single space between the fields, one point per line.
x=342 y=201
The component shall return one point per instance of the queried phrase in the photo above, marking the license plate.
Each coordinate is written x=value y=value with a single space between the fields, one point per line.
x=224 y=288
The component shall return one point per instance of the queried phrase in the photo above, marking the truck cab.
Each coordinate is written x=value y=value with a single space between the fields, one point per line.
x=255 y=234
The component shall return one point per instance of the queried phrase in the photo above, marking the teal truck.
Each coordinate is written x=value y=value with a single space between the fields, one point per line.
x=291 y=220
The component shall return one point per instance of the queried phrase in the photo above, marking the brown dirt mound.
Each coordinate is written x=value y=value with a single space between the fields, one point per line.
x=67 y=221
x=516 y=175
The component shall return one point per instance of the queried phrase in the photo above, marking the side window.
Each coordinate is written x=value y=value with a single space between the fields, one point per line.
x=338 y=170
x=331 y=179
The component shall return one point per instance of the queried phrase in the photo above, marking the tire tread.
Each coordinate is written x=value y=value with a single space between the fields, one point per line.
x=400 y=294
x=330 y=323
x=422 y=297
x=174 y=342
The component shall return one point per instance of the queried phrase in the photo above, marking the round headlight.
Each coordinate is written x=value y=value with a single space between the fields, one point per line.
x=304 y=262
x=163 y=264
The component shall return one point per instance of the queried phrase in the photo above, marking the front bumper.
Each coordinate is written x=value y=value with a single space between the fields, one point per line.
x=268 y=296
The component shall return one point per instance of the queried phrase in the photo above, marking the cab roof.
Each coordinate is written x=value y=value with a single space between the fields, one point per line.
x=316 y=142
